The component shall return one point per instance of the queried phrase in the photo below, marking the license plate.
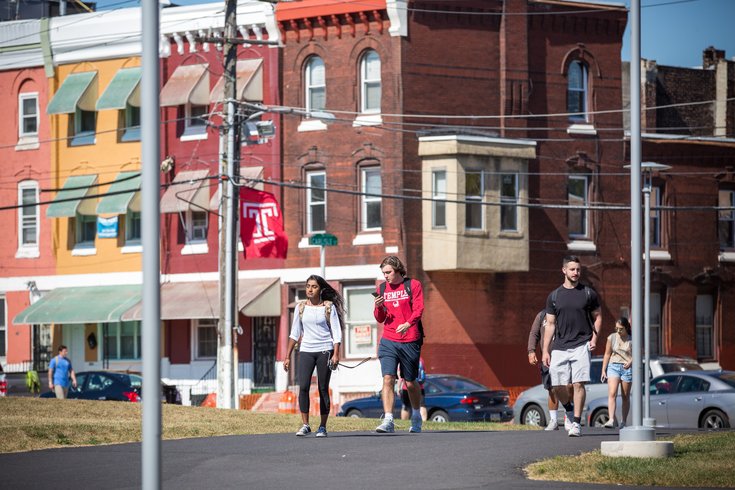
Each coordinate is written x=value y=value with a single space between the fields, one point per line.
x=494 y=416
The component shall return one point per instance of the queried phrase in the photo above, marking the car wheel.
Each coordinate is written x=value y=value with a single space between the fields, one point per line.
x=354 y=413
x=714 y=419
x=600 y=418
x=533 y=415
x=439 y=416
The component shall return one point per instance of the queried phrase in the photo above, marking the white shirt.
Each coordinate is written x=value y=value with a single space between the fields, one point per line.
x=317 y=336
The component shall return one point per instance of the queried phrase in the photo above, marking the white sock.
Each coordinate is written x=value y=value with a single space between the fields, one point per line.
x=388 y=416
x=416 y=414
x=553 y=415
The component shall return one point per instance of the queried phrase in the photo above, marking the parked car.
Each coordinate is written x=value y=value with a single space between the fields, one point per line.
x=694 y=399
x=111 y=385
x=448 y=398
x=3 y=382
x=531 y=405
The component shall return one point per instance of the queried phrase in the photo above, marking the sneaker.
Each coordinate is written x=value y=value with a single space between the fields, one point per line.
x=576 y=430
x=416 y=423
x=610 y=424
x=321 y=432
x=622 y=425
x=552 y=425
x=386 y=427
x=567 y=424
x=304 y=430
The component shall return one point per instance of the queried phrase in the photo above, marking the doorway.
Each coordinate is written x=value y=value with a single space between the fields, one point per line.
x=73 y=338
x=41 y=347
x=264 y=352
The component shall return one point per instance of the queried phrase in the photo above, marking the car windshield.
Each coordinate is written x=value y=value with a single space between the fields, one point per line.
x=451 y=383
x=672 y=367
x=135 y=381
x=728 y=378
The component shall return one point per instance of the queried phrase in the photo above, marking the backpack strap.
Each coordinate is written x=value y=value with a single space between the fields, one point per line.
x=327 y=311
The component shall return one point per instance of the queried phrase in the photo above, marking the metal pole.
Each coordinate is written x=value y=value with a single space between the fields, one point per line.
x=150 y=238
x=226 y=323
x=647 y=421
x=635 y=432
x=323 y=259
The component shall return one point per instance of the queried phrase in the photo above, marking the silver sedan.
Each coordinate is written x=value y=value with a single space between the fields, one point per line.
x=686 y=400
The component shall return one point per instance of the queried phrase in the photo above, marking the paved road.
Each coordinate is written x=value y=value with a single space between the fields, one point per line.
x=357 y=460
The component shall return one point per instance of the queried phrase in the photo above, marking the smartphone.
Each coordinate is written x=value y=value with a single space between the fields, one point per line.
x=375 y=294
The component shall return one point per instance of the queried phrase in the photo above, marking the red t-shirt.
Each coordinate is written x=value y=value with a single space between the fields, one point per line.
x=398 y=309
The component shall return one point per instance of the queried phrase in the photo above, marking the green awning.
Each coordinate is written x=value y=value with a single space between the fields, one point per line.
x=68 y=199
x=98 y=304
x=76 y=91
x=123 y=89
x=127 y=184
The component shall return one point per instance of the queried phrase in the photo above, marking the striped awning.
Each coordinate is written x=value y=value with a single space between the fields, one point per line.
x=249 y=83
x=189 y=84
x=77 y=90
x=124 y=89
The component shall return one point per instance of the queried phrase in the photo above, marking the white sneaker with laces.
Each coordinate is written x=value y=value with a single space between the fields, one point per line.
x=576 y=430
x=567 y=424
x=552 y=425
x=387 y=427
x=304 y=430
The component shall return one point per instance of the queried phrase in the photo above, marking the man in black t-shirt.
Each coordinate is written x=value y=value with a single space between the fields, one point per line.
x=573 y=321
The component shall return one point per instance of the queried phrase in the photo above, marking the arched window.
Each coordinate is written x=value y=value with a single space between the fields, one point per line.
x=577 y=91
x=370 y=85
x=315 y=82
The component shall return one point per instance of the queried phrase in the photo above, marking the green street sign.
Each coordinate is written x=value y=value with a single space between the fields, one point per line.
x=323 y=239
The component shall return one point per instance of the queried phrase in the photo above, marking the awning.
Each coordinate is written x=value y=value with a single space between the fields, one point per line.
x=68 y=200
x=98 y=304
x=249 y=82
x=124 y=89
x=127 y=184
x=196 y=300
x=78 y=90
x=245 y=173
x=185 y=193
x=189 y=84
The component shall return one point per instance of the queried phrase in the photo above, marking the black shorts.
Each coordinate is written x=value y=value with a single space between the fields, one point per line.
x=407 y=401
x=545 y=377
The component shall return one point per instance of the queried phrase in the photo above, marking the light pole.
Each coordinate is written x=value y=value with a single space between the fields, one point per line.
x=648 y=168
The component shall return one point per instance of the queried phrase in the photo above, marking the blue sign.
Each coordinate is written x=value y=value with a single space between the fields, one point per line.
x=106 y=227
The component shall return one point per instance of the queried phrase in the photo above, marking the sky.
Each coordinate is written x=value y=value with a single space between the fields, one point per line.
x=673 y=32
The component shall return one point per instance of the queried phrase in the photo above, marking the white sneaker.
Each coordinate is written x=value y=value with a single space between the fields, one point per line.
x=304 y=430
x=610 y=424
x=567 y=423
x=552 y=425
x=386 y=427
x=576 y=430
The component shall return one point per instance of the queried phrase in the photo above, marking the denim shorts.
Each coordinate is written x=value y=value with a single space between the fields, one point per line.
x=407 y=354
x=616 y=370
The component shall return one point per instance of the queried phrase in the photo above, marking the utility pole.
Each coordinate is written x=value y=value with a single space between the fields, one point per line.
x=226 y=390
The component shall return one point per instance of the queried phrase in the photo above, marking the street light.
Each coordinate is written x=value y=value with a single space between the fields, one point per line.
x=647 y=169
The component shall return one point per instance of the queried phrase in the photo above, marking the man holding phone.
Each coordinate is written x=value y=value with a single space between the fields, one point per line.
x=399 y=304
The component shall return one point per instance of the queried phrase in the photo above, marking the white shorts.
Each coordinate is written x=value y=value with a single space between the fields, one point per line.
x=570 y=365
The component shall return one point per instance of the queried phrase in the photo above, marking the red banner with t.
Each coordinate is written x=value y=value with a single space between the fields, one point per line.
x=261 y=226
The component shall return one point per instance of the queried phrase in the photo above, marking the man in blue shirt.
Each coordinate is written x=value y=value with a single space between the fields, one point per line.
x=59 y=373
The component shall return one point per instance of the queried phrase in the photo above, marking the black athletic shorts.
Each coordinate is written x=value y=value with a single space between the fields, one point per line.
x=545 y=377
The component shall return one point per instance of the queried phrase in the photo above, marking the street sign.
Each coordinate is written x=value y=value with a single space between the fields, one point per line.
x=323 y=239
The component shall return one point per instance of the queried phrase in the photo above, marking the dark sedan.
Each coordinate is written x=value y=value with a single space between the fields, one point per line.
x=448 y=398
x=111 y=385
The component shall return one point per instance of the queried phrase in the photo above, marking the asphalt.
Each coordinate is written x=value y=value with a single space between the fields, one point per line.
x=354 y=460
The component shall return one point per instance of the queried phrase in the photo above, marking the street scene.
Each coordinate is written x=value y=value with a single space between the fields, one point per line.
x=408 y=212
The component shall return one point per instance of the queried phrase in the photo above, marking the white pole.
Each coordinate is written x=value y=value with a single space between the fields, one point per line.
x=323 y=259
x=647 y=421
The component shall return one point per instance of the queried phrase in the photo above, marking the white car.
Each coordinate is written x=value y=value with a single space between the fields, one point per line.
x=531 y=405
x=3 y=383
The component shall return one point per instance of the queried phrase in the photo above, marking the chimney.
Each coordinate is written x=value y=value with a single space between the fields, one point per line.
x=711 y=56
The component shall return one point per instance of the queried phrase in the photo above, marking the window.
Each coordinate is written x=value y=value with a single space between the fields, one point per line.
x=85 y=125
x=508 y=201
x=655 y=324
x=438 y=194
x=196 y=226
x=577 y=91
x=28 y=215
x=206 y=338
x=370 y=82
x=726 y=219
x=122 y=340
x=690 y=384
x=86 y=229
x=578 y=196
x=656 y=225
x=3 y=327
x=132 y=227
x=28 y=115
x=132 y=124
x=316 y=202
x=194 y=121
x=705 y=326
x=474 y=197
x=371 y=205
x=316 y=89
x=360 y=326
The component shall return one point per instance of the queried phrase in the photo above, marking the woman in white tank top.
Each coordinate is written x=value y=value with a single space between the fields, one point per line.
x=616 y=369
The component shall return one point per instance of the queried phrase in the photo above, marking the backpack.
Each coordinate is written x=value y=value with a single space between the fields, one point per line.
x=407 y=287
x=327 y=311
